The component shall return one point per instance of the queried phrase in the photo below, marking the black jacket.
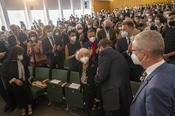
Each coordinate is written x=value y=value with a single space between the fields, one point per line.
x=47 y=47
x=10 y=70
x=135 y=70
x=113 y=77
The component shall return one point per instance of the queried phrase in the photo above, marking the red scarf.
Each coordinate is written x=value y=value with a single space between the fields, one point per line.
x=93 y=46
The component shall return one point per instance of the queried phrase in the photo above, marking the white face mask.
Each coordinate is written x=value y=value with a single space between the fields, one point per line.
x=95 y=27
x=147 y=15
x=56 y=33
x=89 y=26
x=84 y=60
x=120 y=28
x=80 y=31
x=49 y=34
x=33 y=38
x=135 y=59
x=20 y=57
x=157 y=21
x=149 y=20
x=92 y=39
x=73 y=38
x=124 y=34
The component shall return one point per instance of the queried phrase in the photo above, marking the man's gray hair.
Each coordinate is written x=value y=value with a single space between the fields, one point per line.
x=151 y=41
x=107 y=20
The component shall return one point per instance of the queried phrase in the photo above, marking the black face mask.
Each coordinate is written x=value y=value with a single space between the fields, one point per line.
x=172 y=23
x=141 y=25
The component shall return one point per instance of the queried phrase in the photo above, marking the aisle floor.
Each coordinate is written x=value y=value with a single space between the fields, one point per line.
x=42 y=109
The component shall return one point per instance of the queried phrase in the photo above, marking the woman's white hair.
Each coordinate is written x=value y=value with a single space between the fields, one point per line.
x=82 y=51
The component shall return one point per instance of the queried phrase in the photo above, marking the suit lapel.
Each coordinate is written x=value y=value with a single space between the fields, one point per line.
x=125 y=43
x=147 y=80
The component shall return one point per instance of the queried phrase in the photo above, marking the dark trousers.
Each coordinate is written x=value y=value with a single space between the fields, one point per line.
x=113 y=113
x=22 y=94
x=55 y=61
x=6 y=95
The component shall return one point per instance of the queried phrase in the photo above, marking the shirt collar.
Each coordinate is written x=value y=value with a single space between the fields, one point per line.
x=151 y=68
x=131 y=38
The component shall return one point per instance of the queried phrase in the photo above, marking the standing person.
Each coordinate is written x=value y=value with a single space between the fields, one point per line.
x=49 y=46
x=156 y=95
x=70 y=51
x=88 y=72
x=169 y=40
x=7 y=97
x=92 y=44
x=124 y=48
x=107 y=32
x=16 y=77
x=60 y=52
x=35 y=50
x=113 y=78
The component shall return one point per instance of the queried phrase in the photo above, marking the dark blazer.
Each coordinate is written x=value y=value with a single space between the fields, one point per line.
x=11 y=41
x=135 y=70
x=102 y=35
x=156 y=96
x=47 y=47
x=122 y=45
x=113 y=77
x=2 y=49
x=10 y=70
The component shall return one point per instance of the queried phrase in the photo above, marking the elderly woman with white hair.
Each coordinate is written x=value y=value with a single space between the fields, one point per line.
x=88 y=72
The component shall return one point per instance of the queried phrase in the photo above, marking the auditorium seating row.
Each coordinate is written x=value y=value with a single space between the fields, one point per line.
x=61 y=85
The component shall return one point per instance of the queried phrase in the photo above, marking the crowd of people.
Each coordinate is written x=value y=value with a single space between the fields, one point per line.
x=108 y=49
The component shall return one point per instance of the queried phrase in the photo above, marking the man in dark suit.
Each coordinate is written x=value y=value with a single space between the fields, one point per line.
x=156 y=95
x=113 y=78
x=107 y=32
x=49 y=46
x=124 y=48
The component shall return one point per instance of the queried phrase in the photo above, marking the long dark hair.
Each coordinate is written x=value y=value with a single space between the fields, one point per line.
x=14 y=52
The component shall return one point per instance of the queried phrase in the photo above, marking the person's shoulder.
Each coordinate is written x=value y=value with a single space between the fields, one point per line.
x=101 y=31
x=86 y=44
x=121 y=40
x=164 y=76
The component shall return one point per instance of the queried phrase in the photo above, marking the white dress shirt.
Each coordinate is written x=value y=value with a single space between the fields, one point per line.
x=107 y=34
x=153 y=67
x=131 y=39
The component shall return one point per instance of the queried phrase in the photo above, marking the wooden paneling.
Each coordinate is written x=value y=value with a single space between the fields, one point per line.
x=131 y=3
x=98 y=5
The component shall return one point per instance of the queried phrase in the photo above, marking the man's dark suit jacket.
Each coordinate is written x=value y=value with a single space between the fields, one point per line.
x=135 y=70
x=113 y=78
